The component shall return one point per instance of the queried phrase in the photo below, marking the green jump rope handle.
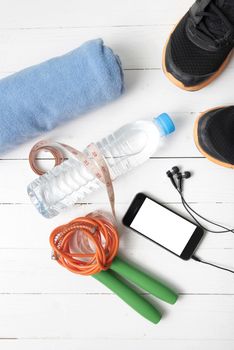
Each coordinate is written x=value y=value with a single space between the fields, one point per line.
x=144 y=281
x=136 y=301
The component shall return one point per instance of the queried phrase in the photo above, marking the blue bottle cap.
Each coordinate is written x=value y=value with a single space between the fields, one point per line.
x=165 y=124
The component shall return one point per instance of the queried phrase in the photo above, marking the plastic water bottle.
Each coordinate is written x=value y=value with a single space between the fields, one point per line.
x=69 y=182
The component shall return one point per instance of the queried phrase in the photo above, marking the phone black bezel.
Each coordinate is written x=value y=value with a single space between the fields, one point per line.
x=135 y=206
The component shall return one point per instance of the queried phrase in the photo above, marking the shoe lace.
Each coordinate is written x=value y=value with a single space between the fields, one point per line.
x=221 y=25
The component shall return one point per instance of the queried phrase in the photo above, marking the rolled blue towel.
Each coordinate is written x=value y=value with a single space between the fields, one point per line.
x=39 y=98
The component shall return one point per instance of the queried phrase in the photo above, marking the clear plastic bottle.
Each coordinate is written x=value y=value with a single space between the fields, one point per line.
x=126 y=148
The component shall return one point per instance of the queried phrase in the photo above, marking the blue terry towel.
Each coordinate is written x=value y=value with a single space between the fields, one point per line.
x=38 y=98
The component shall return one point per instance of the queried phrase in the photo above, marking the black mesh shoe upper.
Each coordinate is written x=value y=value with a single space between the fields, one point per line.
x=190 y=58
x=216 y=134
x=201 y=41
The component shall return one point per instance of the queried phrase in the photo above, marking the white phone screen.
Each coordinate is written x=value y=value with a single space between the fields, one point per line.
x=163 y=226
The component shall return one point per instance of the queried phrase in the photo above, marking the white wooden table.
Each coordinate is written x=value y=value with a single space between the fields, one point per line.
x=42 y=306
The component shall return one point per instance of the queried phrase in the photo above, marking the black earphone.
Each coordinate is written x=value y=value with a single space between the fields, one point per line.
x=180 y=176
x=170 y=173
x=177 y=177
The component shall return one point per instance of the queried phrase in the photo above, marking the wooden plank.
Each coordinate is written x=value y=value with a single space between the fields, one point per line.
x=203 y=186
x=56 y=316
x=28 y=229
x=59 y=13
x=77 y=133
x=102 y=344
x=37 y=45
x=47 y=307
x=148 y=93
x=32 y=271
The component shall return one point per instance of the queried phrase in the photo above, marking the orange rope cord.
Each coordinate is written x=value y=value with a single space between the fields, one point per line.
x=100 y=242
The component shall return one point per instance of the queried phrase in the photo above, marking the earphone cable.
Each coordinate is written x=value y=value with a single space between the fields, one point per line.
x=188 y=208
x=178 y=186
x=194 y=257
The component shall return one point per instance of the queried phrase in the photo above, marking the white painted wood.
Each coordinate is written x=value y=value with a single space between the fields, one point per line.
x=72 y=13
x=77 y=133
x=138 y=47
x=105 y=316
x=204 y=186
x=44 y=306
x=32 y=271
x=43 y=44
x=130 y=344
x=147 y=94
x=30 y=230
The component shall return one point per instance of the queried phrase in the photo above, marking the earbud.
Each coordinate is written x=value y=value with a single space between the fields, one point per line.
x=175 y=170
x=180 y=176
x=185 y=175
x=170 y=173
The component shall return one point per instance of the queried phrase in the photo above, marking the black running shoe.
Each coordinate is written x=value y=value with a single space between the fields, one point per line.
x=213 y=135
x=200 y=45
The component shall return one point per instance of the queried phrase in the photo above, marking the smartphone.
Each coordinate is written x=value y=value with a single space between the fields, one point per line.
x=163 y=226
